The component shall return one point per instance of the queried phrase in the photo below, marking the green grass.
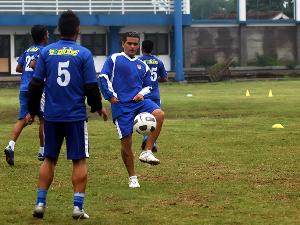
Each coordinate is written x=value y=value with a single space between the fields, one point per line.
x=221 y=162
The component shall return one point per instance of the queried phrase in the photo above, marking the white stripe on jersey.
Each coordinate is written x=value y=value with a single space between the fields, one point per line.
x=86 y=140
x=114 y=58
x=118 y=128
x=42 y=103
x=109 y=84
x=145 y=90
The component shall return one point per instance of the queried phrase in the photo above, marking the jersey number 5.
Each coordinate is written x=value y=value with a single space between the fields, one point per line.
x=154 y=73
x=63 y=73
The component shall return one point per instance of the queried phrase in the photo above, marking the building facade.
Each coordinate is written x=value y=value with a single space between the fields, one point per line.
x=102 y=25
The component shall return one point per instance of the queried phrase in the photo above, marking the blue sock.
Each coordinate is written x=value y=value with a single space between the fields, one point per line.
x=41 y=196
x=79 y=199
x=145 y=137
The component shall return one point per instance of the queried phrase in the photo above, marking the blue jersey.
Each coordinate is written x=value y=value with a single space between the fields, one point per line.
x=124 y=78
x=157 y=70
x=24 y=60
x=66 y=67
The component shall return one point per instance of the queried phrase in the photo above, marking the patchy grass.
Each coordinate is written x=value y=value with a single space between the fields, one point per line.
x=221 y=162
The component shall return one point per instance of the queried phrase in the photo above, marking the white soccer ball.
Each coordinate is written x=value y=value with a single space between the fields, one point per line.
x=144 y=123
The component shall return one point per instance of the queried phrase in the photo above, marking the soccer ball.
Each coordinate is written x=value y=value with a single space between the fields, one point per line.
x=144 y=123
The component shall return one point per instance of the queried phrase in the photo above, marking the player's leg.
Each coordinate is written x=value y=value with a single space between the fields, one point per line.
x=20 y=124
x=124 y=124
x=54 y=135
x=159 y=116
x=147 y=156
x=145 y=137
x=41 y=138
x=78 y=151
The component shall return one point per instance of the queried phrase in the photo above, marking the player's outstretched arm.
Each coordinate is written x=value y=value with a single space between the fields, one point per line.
x=103 y=113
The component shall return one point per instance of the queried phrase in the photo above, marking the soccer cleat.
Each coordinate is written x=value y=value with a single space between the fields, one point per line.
x=40 y=157
x=133 y=182
x=79 y=213
x=9 y=153
x=148 y=157
x=39 y=211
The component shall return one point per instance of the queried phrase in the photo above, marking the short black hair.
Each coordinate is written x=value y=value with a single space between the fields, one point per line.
x=147 y=46
x=130 y=34
x=68 y=23
x=38 y=33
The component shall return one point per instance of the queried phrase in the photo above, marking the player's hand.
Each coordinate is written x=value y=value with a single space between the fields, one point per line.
x=138 y=98
x=114 y=100
x=103 y=113
x=29 y=119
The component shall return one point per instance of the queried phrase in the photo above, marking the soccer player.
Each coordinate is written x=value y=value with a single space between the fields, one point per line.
x=67 y=71
x=124 y=81
x=158 y=74
x=25 y=66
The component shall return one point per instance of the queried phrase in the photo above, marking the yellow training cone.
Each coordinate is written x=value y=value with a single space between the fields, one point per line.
x=270 y=93
x=277 y=125
x=247 y=93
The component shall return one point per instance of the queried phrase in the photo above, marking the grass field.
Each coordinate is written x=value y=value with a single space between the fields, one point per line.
x=221 y=162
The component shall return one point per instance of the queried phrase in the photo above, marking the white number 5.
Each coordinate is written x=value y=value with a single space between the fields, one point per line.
x=154 y=73
x=62 y=70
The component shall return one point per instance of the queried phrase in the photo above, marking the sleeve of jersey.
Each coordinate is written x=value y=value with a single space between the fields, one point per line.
x=93 y=95
x=147 y=87
x=35 y=91
x=21 y=60
x=89 y=68
x=39 y=71
x=104 y=80
x=163 y=73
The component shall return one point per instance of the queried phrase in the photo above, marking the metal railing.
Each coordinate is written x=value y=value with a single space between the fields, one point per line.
x=91 y=6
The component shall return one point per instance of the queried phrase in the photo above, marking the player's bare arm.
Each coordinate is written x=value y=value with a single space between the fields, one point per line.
x=19 y=68
x=103 y=113
x=138 y=98
x=114 y=100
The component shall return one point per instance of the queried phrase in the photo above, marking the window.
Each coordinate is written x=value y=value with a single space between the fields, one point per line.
x=22 y=42
x=161 y=43
x=4 y=53
x=270 y=9
x=96 y=43
x=214 y=9
x=4 y=46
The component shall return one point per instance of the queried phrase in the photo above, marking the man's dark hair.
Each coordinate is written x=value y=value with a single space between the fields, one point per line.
x=147 y=46
x=38 y=33
x=68 y=23
x=130 y=34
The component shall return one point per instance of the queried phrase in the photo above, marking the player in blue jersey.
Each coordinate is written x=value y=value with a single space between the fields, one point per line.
x=66 y=72
x=158 y=74
x=25 y=66
x=124 y=81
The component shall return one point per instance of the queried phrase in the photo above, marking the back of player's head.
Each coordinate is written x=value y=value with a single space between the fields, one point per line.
x=38 y=33
x=147 y=46
x=68 y=24
x=130 y=34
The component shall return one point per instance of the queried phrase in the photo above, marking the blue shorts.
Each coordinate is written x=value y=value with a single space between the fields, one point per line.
x=76 y=136
x=156 y=101
x=124 y=122
x=23 y=100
